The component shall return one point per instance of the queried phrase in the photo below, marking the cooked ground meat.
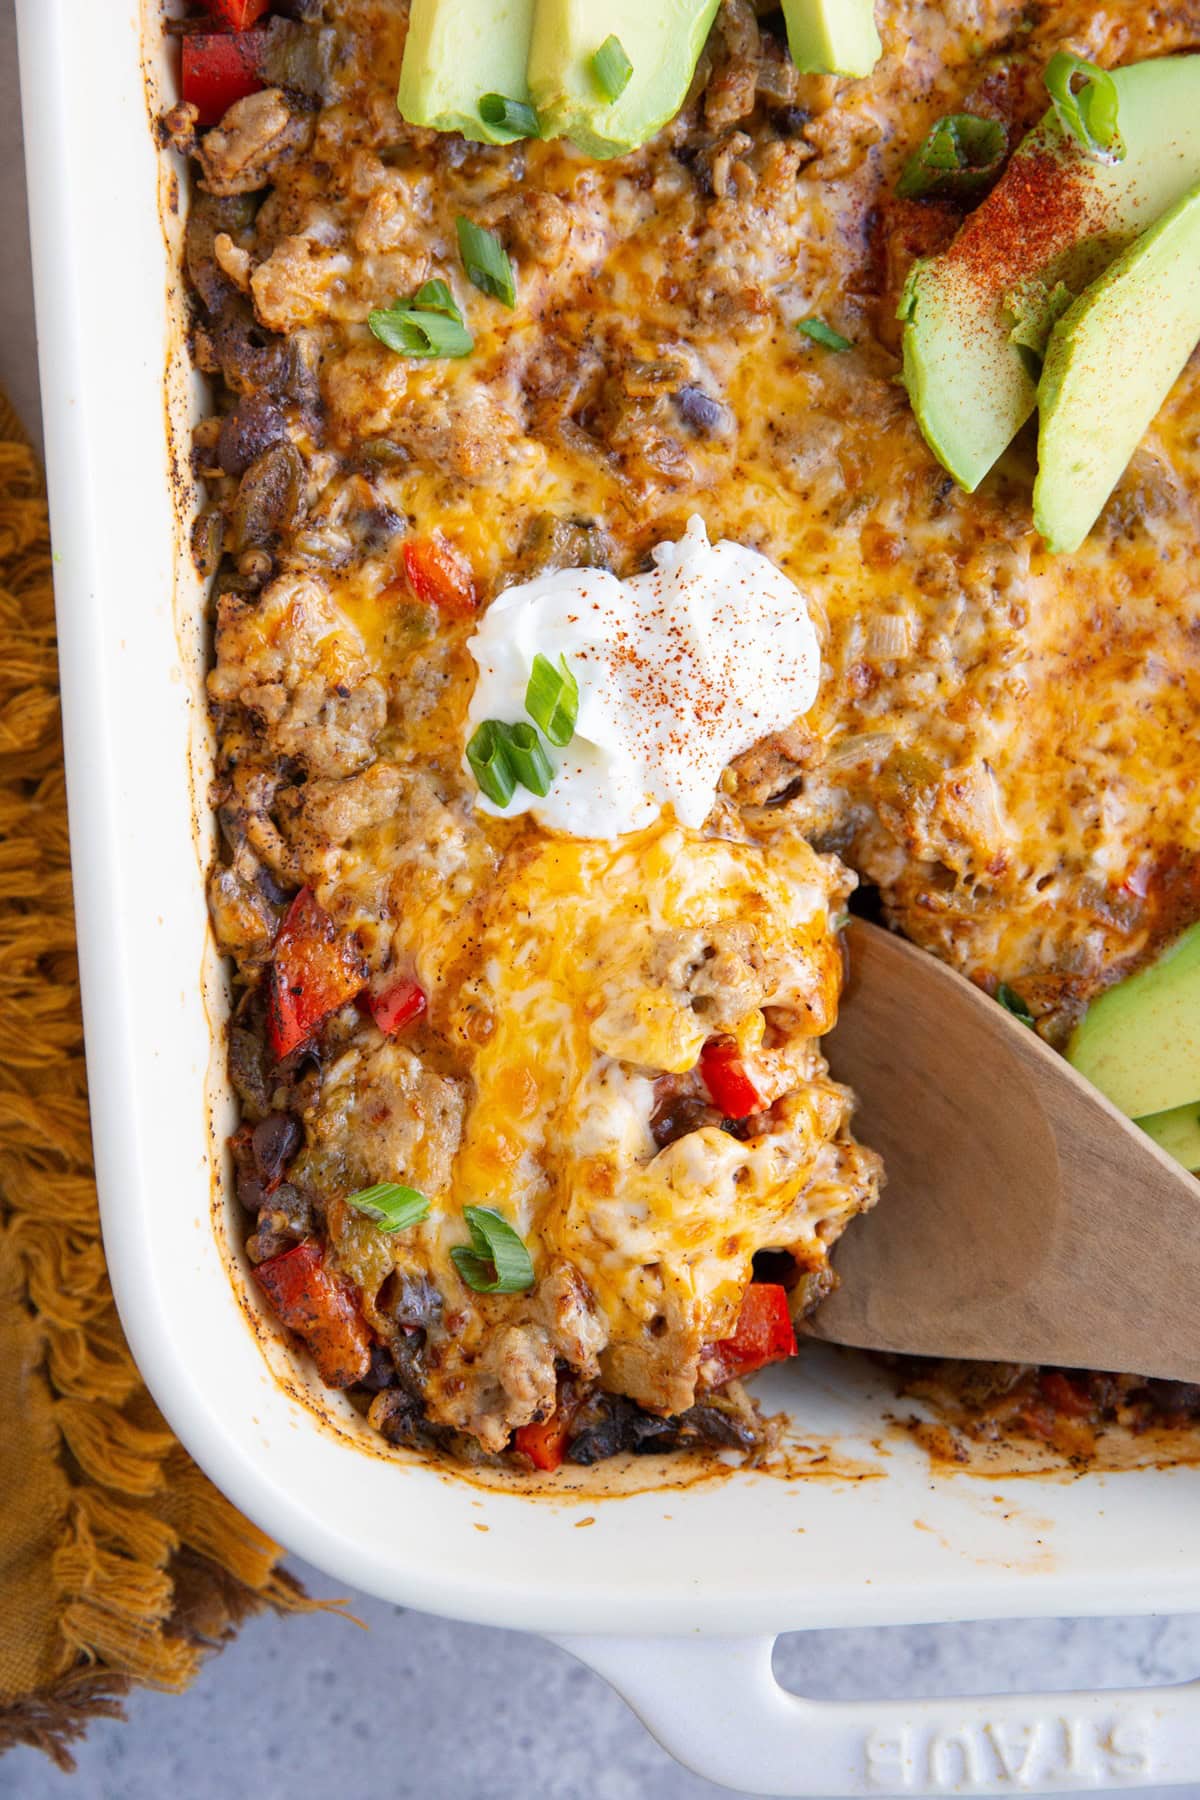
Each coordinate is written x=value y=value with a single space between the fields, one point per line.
x=495 y=1022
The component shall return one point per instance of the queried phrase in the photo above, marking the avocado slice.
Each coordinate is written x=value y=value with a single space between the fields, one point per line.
x=1112 y=359
x=663 y=42
x=1177 y=1132
x=976 y=316
x=1139 y=1042
x=832 y=37
x=455 y=52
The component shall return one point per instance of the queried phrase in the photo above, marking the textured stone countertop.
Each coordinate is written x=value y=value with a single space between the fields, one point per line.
x=307 y=1708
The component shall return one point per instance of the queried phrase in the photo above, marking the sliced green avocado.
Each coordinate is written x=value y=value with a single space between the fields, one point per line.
x=977 y=315
x=455 y=52
x=1177 y=1132
x=832 y=37
x=1139 y=1042
x=1111 y=361
x=662 y=41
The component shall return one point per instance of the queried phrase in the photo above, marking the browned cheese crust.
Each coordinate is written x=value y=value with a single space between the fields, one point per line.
x=1002 y=742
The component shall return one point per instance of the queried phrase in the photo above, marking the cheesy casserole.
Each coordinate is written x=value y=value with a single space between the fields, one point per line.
x=491 y=1014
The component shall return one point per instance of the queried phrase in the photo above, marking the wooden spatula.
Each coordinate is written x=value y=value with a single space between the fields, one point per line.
x=1024 y=1219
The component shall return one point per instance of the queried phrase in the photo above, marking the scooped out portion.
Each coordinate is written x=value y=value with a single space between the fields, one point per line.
x=545 y=1179
x=626 y=1039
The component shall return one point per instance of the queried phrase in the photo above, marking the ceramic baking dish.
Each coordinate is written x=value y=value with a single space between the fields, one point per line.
x=675 y=1594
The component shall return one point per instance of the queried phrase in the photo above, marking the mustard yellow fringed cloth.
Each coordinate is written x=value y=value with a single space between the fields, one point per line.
x=120 y=1563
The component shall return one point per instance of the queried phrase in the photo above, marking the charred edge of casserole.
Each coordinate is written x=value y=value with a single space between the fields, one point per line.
x=1067 y=1409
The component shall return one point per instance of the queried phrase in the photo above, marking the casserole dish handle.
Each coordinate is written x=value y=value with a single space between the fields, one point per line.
x=715 y=1704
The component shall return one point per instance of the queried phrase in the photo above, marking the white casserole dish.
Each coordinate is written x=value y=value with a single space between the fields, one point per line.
x=674 y=1595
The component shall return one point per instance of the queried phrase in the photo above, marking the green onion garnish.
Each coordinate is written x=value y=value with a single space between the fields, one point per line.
x=530 y=763
x=497 y=1261
x=486 y=262
x=427 y=324
x=390 y=1206
x=488 y=755
x=1088 y=113
x=552 y=699
x=961 y=155
x=612 y=68
x=516 y=117
x=435 y=296
x=821 y=333
x=1013 y=1003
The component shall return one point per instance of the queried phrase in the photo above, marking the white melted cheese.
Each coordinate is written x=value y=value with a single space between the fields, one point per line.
x=679 y=671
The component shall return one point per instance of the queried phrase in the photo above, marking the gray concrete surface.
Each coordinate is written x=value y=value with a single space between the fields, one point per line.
x=309 y=1708
x=313 y=1708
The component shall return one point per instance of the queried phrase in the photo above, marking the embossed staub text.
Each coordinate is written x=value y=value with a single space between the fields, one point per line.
x=1033 y=1754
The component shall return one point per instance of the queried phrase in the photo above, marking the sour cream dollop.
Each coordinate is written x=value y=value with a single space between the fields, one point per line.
x=679 y=671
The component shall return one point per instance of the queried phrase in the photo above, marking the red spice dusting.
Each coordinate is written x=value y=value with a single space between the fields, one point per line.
x=1045 y=203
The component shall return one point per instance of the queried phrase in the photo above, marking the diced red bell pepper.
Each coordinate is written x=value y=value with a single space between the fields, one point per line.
x=439 y=575
x=724 y=1075
x=397 y=1006
x=764 y=1334
x=321 y=1307
x=545 y=1444
x=220 y=67
x=314 y=970
x=237 y=13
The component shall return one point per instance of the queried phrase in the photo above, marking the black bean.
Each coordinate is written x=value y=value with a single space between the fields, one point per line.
x=253 y=427
x=714 y=1426
x=1174 y=1396
x=648 y=1433
x=274 y=1142
x=418 y=1302
x=287 y=1211
x=697 y=409
x=678 y=1115
x=271 y=889
x=382 y=1372
x=207 y=217
x=252 y=358
x=376 y=527
x=270 y=496
x=300 y=60
x=251 y=1192
x=612 y=1424
x=790 y=121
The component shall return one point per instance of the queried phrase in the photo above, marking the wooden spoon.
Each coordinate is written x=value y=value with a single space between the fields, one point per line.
x=1024 y=1219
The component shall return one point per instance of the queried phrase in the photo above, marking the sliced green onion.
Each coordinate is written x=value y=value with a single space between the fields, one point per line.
x=1013 y=1003
x=497 y=1262
x=824 y=334
x=486 y=261
x=491 y=763
x=435 y=296
x=514 y=116
x=427 y=324
x=530 y=763
x=390 y=1206
x=1089 y=113
x=552 y=699
x=962 y=155
x=612 y=68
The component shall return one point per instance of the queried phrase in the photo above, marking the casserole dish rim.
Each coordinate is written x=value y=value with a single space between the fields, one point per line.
x=131 y=653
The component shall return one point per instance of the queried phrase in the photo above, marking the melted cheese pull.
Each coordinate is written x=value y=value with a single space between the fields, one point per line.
x=679 y=671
